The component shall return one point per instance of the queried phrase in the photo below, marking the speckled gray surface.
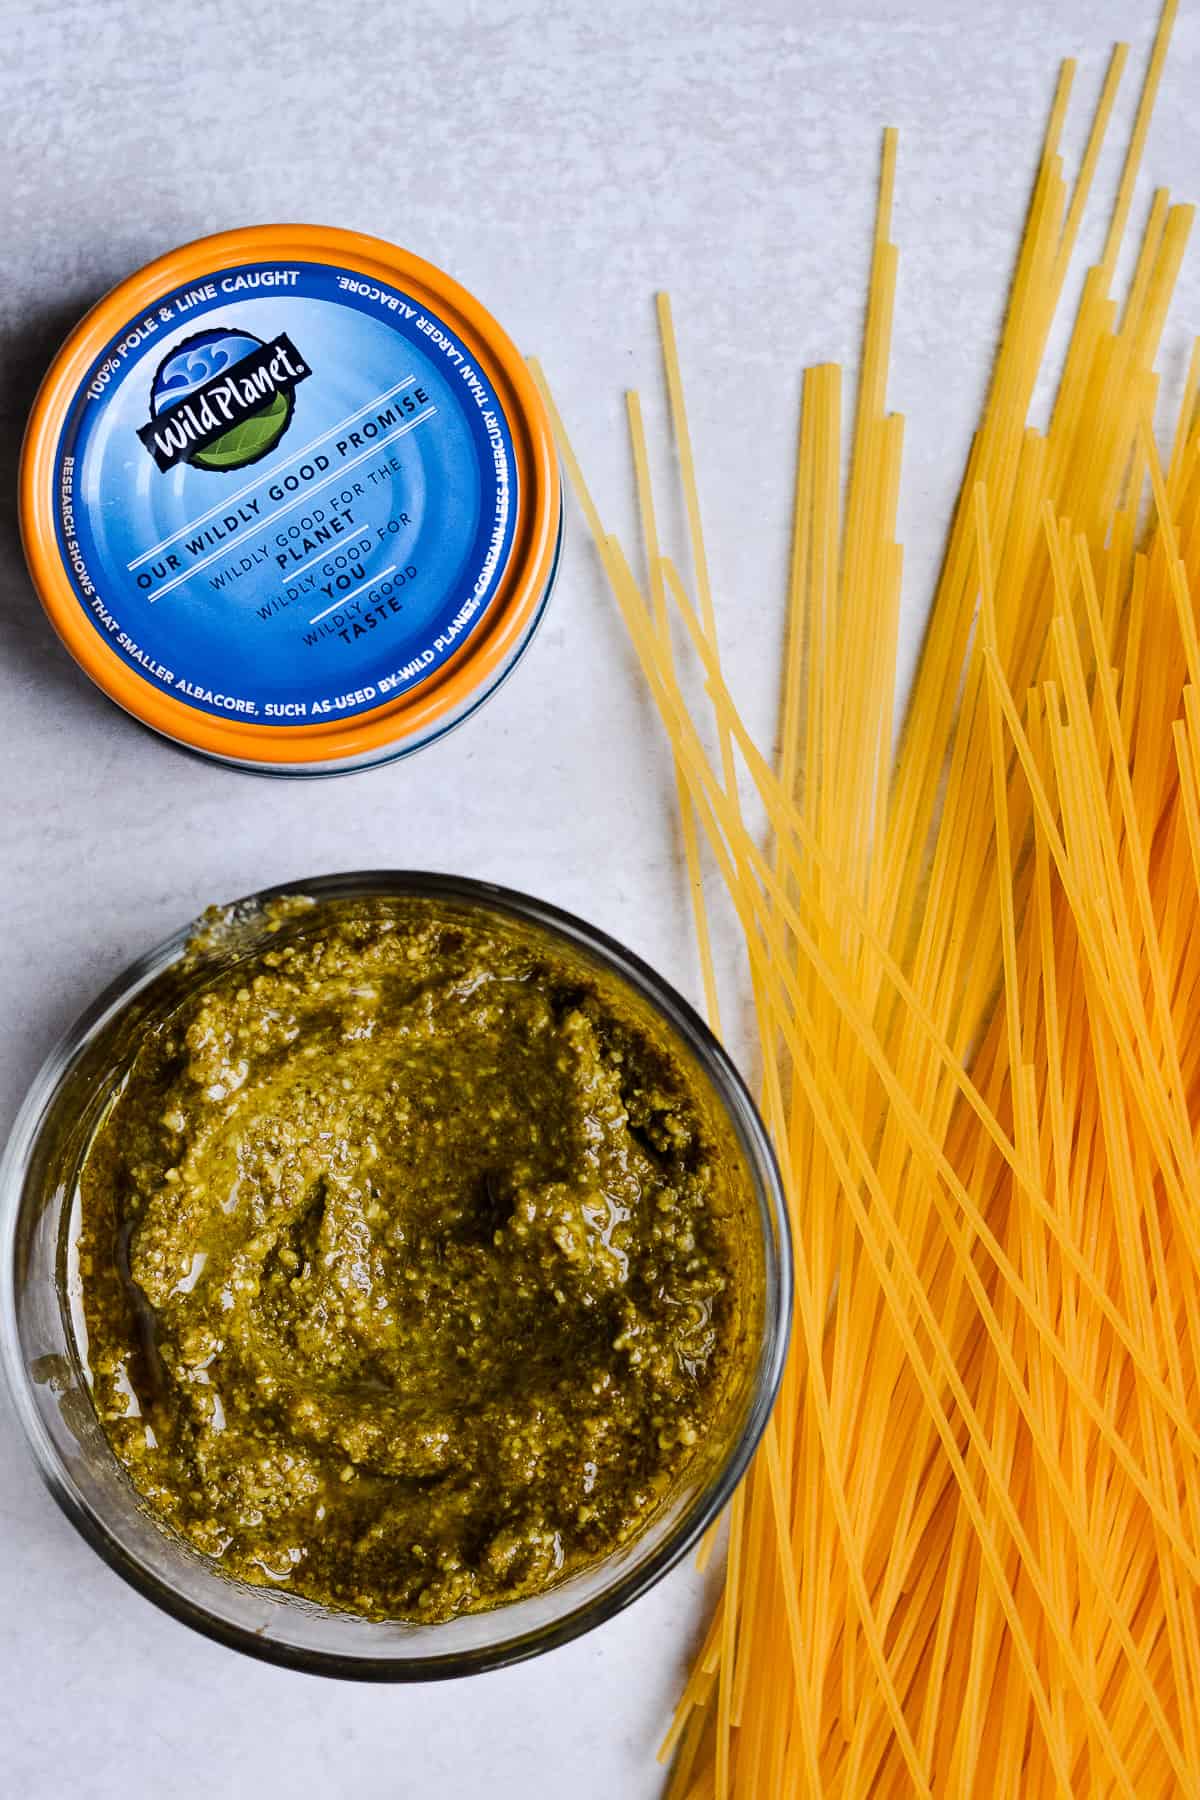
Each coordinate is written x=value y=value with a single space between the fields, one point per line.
x=564 y=162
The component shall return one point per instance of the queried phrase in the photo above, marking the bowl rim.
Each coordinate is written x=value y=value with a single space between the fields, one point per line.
x=729 y=1089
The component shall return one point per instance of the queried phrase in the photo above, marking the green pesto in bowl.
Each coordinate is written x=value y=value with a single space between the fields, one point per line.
x=414 y=1260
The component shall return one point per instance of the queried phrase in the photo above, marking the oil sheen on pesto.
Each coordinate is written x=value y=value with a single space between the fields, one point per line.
x=411 y=1262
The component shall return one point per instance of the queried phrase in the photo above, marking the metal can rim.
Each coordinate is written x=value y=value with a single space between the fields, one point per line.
x=405 y=721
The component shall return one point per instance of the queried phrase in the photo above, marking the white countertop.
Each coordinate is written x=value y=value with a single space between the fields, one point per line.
x=564 y=162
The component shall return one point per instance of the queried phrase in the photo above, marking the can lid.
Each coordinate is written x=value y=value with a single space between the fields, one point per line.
x=289 y=496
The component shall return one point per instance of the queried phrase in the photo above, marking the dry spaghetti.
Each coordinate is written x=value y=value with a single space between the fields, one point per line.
x=967 y=1558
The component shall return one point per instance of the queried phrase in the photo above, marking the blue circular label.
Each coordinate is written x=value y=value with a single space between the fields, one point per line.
x=286 y=493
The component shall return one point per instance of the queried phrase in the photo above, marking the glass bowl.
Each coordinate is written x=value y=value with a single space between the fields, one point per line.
x=39 y=1226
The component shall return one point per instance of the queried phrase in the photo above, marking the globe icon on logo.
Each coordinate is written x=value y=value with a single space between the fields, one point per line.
x=198 y=360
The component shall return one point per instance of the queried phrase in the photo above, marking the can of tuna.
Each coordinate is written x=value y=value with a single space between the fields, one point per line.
x=290 y=497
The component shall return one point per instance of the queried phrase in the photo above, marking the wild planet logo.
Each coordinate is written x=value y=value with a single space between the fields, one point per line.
x=222 y=399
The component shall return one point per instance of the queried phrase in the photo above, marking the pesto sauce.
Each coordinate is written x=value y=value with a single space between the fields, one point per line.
x=410 y=1259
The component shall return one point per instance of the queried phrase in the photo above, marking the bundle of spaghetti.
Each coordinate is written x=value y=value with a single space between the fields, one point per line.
x=967 y=1556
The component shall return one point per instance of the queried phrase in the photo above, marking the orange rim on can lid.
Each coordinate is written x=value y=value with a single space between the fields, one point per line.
x=290 y=497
